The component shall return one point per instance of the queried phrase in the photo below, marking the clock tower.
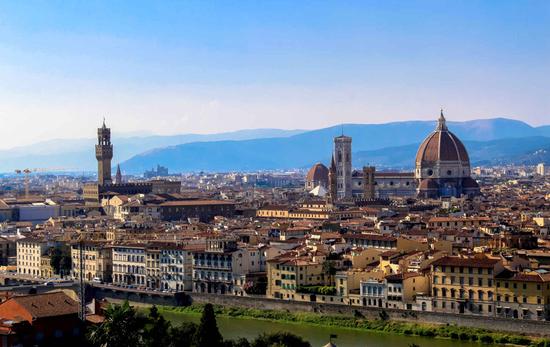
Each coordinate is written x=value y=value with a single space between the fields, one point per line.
x=104 y=154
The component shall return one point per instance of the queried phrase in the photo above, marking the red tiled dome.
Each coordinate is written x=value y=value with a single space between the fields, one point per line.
x=441 y=145
x=318 y=173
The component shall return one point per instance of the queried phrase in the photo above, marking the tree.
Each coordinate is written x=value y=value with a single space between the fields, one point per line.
x=121 y=328
x=60 y=259
x=279 y=339
x=156 y=332
x=329 y=269
x=182 y=336
x=207 y=333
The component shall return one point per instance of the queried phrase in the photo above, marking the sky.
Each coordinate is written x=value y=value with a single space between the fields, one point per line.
x=173 y=67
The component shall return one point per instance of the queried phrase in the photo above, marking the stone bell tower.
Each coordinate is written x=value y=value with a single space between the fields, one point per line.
x=104 y=154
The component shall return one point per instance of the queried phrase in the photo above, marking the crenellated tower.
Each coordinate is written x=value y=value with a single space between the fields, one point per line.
x=104 y=154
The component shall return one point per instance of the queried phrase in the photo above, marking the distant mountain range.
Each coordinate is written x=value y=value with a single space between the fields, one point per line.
x=496 y=140
x=79 y=154
x=523 y=150
x=389 y=145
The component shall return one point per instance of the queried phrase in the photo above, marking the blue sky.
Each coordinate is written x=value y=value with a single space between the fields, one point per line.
x=211 y=66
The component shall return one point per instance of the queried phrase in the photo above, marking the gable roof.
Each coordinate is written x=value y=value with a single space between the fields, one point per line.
x=46 y=305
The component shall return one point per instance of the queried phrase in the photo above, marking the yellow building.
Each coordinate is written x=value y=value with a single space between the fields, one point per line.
x=523 y=295
x=288 y=272
x=290 y=213
x=273 y=211
x=46 y=270
x=97 y=263
x=465 y=285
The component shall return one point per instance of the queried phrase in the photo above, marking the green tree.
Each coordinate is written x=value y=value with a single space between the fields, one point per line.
x=182 y=335
x=156 y=332
x=121 y=328
x=282 y=339
x=207 y=333
x=60 y=259
x=329 y=270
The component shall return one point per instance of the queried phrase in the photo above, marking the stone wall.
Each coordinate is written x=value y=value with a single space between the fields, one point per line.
x=534 y=328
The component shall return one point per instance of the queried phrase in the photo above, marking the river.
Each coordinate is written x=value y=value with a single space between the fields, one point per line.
x=233 y=328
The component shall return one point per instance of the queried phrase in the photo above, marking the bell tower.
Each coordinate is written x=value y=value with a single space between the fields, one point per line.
x=104 y=154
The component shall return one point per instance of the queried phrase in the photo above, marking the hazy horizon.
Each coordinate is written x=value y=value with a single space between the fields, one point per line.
x=202 y=68
x=92 y=135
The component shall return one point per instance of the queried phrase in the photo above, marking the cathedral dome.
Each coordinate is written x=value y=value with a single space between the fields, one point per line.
x=317 y=173
x=443 y=165
x=442 y=145
x=317 y=176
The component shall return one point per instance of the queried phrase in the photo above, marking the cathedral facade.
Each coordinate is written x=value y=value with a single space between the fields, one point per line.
x=442 y=169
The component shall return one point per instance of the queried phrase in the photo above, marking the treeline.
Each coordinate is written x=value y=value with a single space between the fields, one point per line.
x=125 y=327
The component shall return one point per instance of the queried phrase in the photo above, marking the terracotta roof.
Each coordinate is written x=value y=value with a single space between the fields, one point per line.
x=317 y=173
x=441 y=145
x=523 y=276
x=466 y=262
x=47 y=305
x=197 y=203
x=370 y=237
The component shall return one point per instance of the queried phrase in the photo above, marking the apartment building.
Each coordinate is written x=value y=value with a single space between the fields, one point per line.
x=465 y=285
x=29 y=253
x=129 y=265
x=213 y=266
x=523 y=295
x=97 y=261
x=371 y=241
x=176 y=268
x=153 y=268
x=289 y=273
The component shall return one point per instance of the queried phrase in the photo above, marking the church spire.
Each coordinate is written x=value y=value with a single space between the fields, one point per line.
x=441 y=122
x=118 y=177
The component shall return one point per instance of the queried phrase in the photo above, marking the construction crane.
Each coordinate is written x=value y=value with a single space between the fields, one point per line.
x=27 y=172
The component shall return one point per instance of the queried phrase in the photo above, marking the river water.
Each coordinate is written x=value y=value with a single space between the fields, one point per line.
x=232 y=328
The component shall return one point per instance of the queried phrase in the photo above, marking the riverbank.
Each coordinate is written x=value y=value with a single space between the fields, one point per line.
x=382 y=325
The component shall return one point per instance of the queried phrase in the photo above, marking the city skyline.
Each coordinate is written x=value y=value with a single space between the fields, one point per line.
x=209 y=68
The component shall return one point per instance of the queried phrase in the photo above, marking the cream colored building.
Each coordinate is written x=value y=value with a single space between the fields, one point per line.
x=97 y=261
x=129 y=265
x=29 y=253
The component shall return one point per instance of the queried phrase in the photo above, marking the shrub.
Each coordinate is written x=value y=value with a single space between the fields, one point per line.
x=463 y=336
x=486 y=339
